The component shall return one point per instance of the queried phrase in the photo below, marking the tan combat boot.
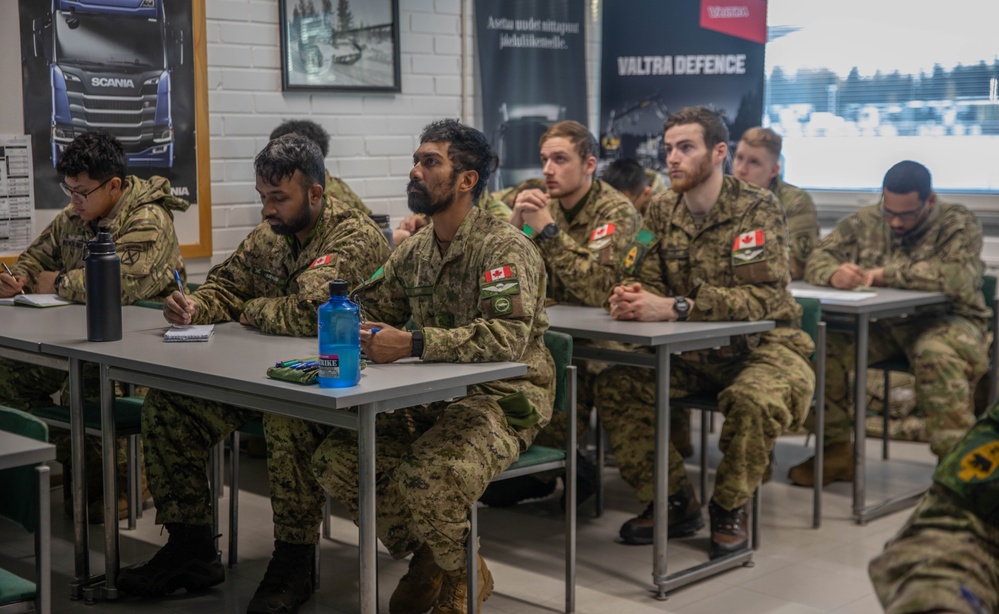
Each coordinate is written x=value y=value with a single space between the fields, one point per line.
x=453 y=598
x=420 y=587
x=837 y=466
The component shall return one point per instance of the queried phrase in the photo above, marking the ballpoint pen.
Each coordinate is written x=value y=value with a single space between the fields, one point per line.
x=7 y=269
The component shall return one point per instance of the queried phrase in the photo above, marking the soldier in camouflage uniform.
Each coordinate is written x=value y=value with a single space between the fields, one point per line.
x=474 y=287
x=139 y=215
x=945 y=557
x=412 y=223
x=579 y=224
x=916 y=242
x=757 y=161
x=713 y=248
x=274 y=281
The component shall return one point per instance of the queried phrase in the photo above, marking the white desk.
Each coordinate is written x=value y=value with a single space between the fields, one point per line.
x=231 y=368
x=855 y=316
x=19 y=451
x=666 y=338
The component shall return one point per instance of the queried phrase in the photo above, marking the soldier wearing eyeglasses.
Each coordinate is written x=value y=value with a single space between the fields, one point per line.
x=911 y=240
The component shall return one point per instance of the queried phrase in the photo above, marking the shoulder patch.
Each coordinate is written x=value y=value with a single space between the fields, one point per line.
x=645 y=237
x=753 y=238
x=603 y=231
x=505 y=271
x=498 y=288
x=979 y=464
x=320 y=261
x=528 y=230
x=377 y=275
x=748 y=248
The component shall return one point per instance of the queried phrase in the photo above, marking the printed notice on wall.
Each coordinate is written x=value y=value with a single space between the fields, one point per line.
x=17 y=195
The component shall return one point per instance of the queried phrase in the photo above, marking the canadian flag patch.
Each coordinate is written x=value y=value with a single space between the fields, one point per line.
x=498 y=273
x=753 y=238
x=328 y=258
x=604 y=231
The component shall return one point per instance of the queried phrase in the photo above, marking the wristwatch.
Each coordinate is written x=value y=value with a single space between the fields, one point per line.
x=548 y=232
x=417 y=343
x=682 y=308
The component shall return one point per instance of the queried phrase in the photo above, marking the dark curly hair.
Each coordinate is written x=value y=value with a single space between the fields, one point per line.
x=282 y=156
x=98 y=154
x=468 y=149
x=306 y=128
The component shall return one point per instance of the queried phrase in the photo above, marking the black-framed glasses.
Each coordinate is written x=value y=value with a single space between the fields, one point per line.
x=905 y=216
x=68 y=191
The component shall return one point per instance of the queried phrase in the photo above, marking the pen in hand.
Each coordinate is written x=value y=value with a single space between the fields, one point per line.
x=180 y=288
x=7 y=269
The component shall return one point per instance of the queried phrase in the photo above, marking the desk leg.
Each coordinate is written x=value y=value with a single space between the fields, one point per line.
x=661 y=509
x=81 y=545
x=860 y=416
x=366 y=510
x=109 y=450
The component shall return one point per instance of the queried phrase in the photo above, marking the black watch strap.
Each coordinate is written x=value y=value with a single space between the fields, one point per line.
x=550 y=231
x=682 y=308
x=417 y=343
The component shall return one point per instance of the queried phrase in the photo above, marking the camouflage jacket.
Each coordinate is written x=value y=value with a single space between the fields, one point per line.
x=943 y=254
x=482 y=301
x=509 y=194
x=141 y=225
x=656 y=183
x=279 y=284
x=735 y=267
x=338 y=189
x=595 y=238
x=802 y=223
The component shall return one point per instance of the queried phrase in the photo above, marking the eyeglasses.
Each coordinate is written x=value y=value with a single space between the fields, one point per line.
x=68 y=191
x=905 y=216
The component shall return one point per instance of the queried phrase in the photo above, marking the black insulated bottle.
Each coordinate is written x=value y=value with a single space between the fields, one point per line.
x=102 y=267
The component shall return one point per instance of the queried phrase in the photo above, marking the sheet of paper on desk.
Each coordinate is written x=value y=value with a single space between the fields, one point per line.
x=839 y=295
x=180 y=334
x=36 y=300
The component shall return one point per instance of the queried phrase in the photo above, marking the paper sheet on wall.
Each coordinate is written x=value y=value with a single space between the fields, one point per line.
x=17 y=198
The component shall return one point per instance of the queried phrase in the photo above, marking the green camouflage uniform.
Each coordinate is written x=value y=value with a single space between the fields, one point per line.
x=734 y=266
x=508 y=195
x=946 y=557
x=495 y=206
x=594 y=235
x=802 y=223
x=945 y=345
x=278 y=285
x=482 y=301
x=337 y=188
x=141 y=225
x=656 y=183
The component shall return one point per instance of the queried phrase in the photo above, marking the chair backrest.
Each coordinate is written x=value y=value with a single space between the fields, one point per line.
x=560 y=347
x=19 y=502
x=989 y=290
x=811 y=315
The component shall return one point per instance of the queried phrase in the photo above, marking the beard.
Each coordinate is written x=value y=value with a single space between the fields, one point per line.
x=296 y=224
x=420 y=200
x=691 y=180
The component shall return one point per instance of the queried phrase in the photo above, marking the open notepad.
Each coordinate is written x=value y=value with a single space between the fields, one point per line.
x=36 y=300
x=178 y=334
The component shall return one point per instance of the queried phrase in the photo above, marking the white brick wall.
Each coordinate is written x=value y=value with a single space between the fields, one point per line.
x=372 y=135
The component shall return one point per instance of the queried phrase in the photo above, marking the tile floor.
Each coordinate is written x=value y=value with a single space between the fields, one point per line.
x=797 y=569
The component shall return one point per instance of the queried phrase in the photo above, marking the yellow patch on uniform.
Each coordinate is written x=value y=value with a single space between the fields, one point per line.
x=629 y=258
x=980 y=463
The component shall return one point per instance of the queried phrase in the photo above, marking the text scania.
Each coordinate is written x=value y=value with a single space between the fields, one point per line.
x=639 y=65
x=106 y=82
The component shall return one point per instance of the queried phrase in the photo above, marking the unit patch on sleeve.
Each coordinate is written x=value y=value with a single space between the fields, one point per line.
x=748 y=247
x=499 y=288
x=501 y=272
x=328 y=258
x=636 y=252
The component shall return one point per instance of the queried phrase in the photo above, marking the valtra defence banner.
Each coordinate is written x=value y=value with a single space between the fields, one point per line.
x=533 y=74
x=659 y=57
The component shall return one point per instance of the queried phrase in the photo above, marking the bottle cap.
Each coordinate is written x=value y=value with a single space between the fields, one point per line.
x=103 y=244
x=338 y=287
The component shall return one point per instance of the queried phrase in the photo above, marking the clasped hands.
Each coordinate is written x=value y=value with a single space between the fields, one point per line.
x=631 y=302
x=531 y=208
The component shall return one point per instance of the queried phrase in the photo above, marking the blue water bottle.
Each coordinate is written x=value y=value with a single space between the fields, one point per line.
x=339 y=339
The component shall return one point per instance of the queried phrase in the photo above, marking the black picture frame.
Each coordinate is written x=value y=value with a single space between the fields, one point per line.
x=362 y=56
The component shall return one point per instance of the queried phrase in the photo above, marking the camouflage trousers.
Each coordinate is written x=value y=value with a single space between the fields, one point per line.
x=433 y=463
x=944 y=559
x=763 y=394
x=178 y=433
x=27 y=387
x=947 y=355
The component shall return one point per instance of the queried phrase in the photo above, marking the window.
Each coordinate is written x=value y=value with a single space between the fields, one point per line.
x=857 y=85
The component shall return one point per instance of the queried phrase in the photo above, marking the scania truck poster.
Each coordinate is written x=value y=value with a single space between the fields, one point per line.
x=123 y=66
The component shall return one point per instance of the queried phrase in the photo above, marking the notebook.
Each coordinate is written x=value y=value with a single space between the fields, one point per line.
x=180 y=334
x=36 y=300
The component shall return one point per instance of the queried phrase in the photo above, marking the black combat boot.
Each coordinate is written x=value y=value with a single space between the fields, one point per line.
x=729 y=532
x=188 y=561
x=684 y=519
x=288 y=581
x=510 y=492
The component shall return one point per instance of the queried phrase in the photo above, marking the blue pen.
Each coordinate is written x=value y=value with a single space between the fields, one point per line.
x=180 y=284
x=373 y=330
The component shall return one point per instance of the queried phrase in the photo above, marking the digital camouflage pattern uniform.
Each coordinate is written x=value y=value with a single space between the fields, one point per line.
x=141 y=225
x=482 y=301
x=802 y=223
x=734 y=265
x=278 y=285
x=945 y=345
x=338 y=189
x=656 y=183
x=946 y=557
x=508 y=195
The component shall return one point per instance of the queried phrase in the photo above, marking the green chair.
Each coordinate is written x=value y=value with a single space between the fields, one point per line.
x=537 y=459
x=25 y=501
x=901 y=364
x=811 y=323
